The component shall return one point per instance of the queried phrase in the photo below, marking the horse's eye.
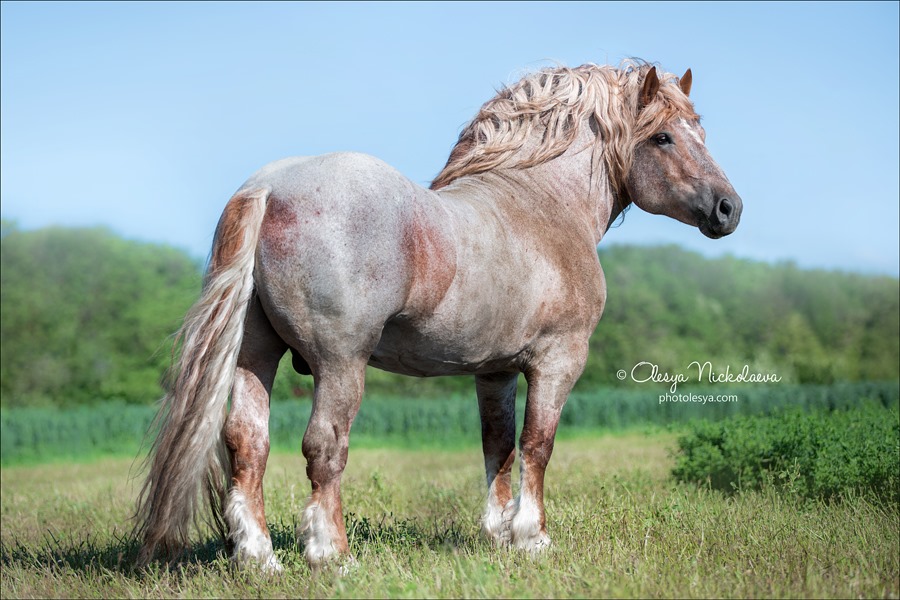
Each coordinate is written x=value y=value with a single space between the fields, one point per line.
x=662 y=139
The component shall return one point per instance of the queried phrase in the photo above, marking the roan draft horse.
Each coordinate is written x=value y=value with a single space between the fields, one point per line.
x=491 y=272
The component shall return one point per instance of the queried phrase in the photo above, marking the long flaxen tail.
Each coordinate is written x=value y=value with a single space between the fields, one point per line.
x=189 y=467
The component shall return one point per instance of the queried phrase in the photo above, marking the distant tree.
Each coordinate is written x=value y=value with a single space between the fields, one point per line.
x=88 y=316
x=670 y=306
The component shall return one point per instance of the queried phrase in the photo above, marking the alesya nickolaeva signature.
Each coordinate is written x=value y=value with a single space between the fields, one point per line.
x=696 y=371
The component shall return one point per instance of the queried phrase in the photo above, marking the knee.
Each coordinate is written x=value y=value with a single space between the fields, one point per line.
x=326 y=451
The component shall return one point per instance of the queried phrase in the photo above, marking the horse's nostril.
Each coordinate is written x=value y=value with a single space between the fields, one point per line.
x=725 y=206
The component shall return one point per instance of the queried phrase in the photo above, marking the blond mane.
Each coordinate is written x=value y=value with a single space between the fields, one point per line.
x=556 y=103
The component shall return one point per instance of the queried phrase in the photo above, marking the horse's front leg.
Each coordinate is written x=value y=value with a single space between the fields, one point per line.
x=550 y=379
x=339 y=388
x=497 y=405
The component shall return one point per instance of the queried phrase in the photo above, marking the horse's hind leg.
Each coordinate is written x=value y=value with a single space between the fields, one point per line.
x=497 y=405
x=247 y=438
x=339 y=388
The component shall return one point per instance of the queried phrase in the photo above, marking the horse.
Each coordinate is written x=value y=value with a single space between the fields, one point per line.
x=491 y=272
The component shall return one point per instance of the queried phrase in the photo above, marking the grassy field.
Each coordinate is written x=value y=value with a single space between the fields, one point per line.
x=621 y=527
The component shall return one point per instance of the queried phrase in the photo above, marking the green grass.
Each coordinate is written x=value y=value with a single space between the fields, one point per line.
x=621 y=527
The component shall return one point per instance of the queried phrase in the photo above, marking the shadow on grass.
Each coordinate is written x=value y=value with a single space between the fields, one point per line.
x=401 y=534
x=119 y=554
x=89 y=554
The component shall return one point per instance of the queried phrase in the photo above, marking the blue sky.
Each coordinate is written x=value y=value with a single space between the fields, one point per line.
x=147 y=117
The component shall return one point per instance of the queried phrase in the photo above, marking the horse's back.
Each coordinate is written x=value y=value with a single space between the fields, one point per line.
x=324 y=173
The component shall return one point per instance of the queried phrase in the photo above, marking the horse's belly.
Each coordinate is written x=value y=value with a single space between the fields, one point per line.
x=407 y=350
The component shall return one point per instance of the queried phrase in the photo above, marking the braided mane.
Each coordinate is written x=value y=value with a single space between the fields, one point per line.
x=555 y=103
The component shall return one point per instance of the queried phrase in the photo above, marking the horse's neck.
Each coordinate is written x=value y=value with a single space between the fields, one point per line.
x=571 y=192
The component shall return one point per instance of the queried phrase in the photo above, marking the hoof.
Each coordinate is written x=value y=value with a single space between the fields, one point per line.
x=496 y=522
x=341 y=565
x=534 y=545
x=269 y=565
x=347 y=565
x=525 y=530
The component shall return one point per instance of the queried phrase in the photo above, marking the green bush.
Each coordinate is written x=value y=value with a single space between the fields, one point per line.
x=822 y=454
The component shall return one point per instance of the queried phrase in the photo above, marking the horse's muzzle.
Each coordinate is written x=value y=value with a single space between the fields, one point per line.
x=724 y=217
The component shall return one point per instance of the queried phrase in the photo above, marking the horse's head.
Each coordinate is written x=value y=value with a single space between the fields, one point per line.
x=672 y=172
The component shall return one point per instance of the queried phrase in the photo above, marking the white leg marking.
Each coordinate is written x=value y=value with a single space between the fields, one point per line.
x=496 y=520
x=525 y=529
x=251 y=544
x=509 y=511
x=318 y=535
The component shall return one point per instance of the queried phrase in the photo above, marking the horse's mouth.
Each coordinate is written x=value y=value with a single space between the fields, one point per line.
x=707 y=229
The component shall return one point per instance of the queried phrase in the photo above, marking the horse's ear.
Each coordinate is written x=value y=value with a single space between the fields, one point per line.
x=685 y=82
x=650 y=87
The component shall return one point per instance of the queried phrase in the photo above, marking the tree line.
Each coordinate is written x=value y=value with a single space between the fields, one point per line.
x=87 y=316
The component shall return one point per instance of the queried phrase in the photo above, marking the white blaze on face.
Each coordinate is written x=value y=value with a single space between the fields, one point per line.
x=693 y=133
x=705 y=161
